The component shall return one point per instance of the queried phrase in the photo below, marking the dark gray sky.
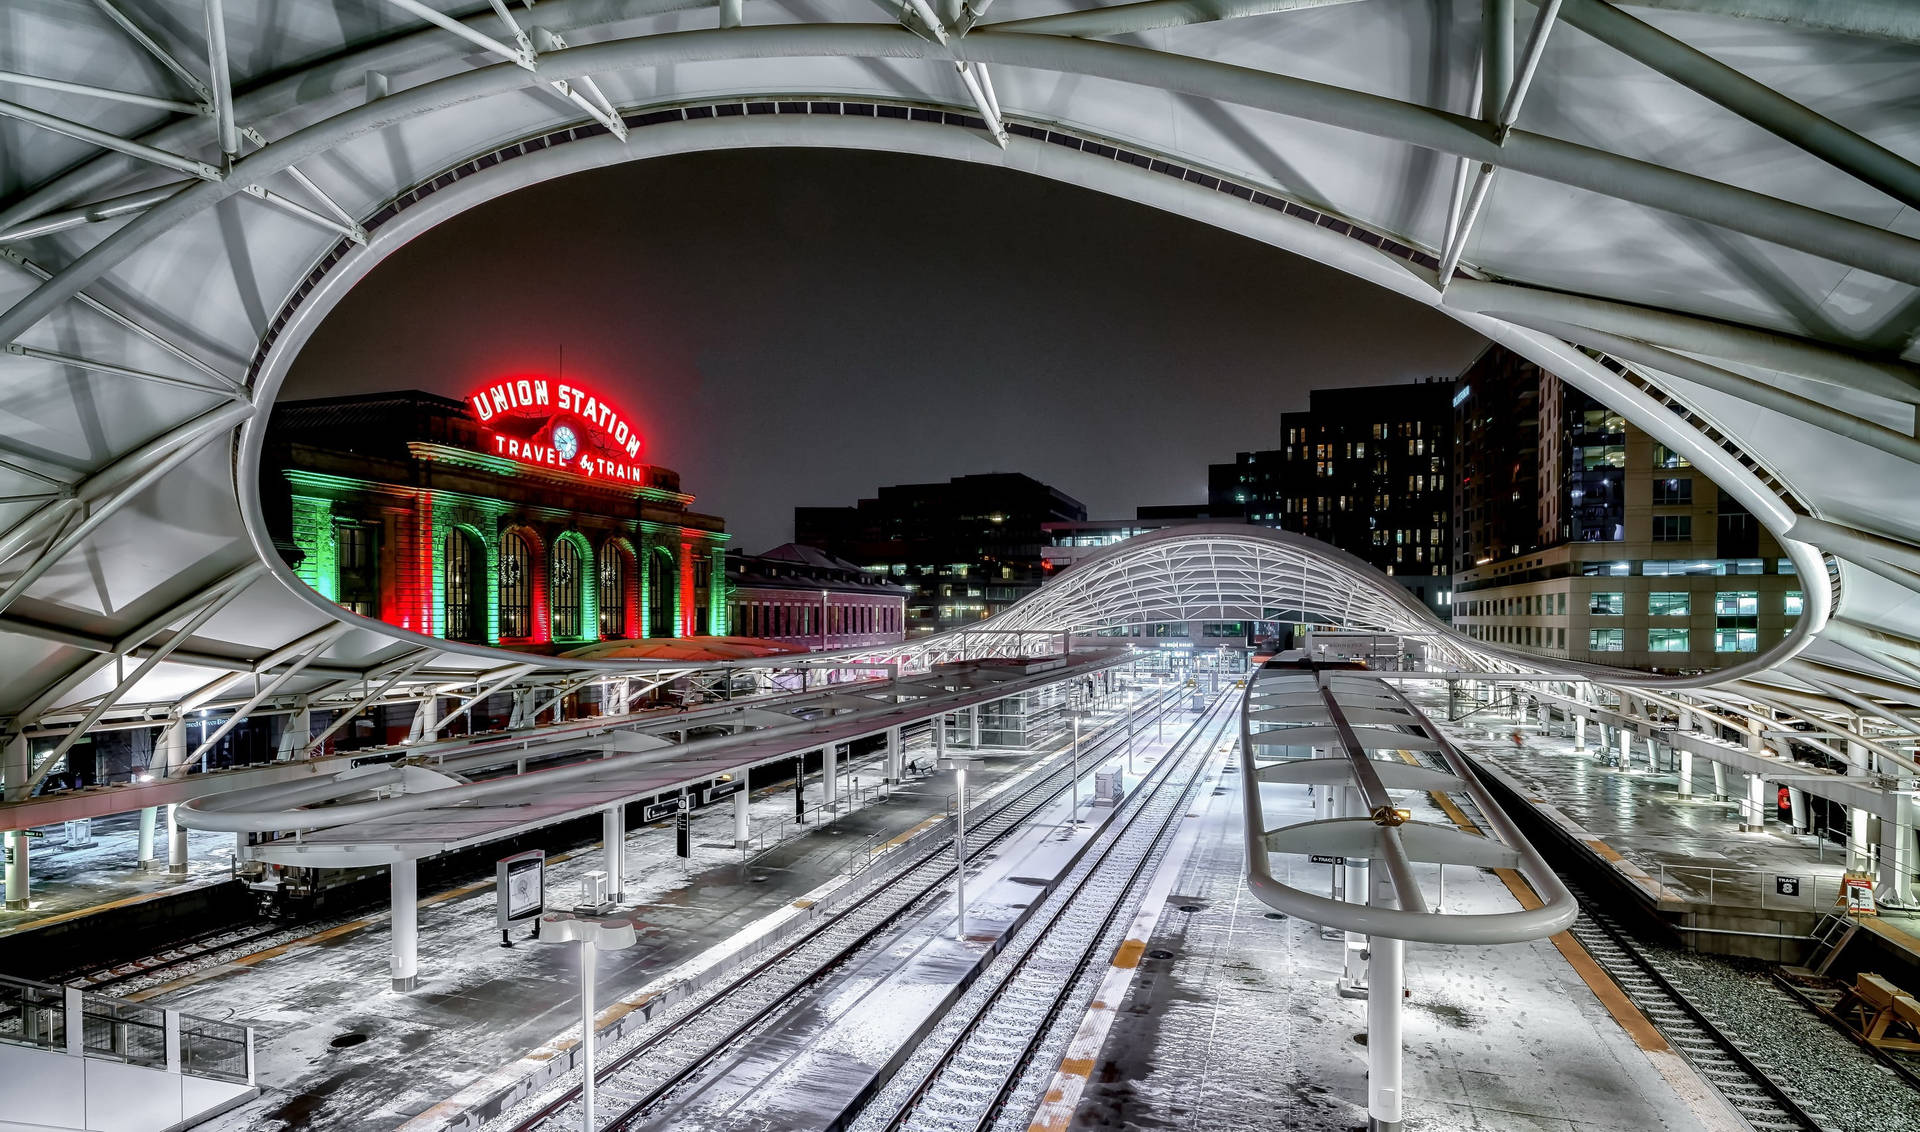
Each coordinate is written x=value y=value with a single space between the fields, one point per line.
x=794 y=327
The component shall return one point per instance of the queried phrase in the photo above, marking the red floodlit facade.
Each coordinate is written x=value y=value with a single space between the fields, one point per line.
x=521 y=516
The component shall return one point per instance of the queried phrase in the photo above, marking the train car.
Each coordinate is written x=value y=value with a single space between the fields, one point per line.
x=295 y=892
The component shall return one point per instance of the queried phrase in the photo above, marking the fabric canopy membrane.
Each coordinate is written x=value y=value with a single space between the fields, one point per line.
x=1699 y=217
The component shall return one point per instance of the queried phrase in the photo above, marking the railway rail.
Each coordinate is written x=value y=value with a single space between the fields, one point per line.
x=1821 y=994
x=693 y=1033
x=967 y=1072
x=222 y=945
x=1764 y=1103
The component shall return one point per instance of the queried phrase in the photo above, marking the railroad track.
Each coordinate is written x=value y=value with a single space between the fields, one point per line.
x=185 y=957
x=1821 y=994
x=692 y=1034
x=966 y=1073
x=1748 y=1086
x=195 y=953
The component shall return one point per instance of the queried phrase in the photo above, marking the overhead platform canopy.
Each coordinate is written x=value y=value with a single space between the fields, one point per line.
x=341 y=826
x=1701 y=212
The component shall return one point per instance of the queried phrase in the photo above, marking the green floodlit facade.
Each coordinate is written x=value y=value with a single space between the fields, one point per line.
x=395 y=510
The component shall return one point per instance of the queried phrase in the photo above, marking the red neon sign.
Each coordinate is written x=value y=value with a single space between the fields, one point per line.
x=553 y=424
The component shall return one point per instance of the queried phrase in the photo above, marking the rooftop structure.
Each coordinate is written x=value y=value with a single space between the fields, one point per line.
x=1365 y=469
x=965 y=549
x=806 y=597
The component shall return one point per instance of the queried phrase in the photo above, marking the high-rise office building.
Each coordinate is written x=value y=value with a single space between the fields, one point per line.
x=1367 y=470
x=1496 y=458
x=965 y=549
x=1631 y=557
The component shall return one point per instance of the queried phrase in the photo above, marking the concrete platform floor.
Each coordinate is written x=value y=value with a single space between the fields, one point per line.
x=1232 y=1022
x=70 y=881
x=337 y=1050
x=1692 y=848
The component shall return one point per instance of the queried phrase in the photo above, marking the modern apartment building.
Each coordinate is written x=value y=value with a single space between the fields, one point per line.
x=964 y=549
x=1368 y=470
x=1635 y=558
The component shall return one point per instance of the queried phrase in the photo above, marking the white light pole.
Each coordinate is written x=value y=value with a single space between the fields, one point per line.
x=959 y=767
x=960 y=851
x=1076 y=713
x=592 y=935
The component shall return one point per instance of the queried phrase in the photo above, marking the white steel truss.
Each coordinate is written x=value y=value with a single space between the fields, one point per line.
x=1708 y=236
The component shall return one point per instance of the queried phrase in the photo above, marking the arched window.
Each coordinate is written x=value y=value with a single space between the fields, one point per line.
x=516 y=586
x=465 y=606
x=569 y=581
x=661 y=582
x=613 y=591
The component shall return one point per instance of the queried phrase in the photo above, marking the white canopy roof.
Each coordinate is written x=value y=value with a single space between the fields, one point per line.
x=1701 y=212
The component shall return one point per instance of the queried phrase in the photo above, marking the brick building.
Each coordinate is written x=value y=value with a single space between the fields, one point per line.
x=521 y=517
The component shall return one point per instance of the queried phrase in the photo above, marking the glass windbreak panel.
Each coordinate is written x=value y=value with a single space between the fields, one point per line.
x=213 y=1049
x=1736 y=640
x=1792 y=604
x=1611 y=604
x=1736 y=603
x=1669 y=603
x=1606 y=640
x=1667 y=640
x=32 y=1014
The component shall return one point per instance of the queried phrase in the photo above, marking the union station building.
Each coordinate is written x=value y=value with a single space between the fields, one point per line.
x=522 y=516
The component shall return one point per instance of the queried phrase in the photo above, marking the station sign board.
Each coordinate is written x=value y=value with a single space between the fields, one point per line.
x=521 y=886
x=556 y=424
x=1326 y=859
x=656 y=811
x=721 y=790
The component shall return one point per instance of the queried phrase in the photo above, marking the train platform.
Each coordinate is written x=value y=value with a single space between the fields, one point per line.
x=1218 y=1013
x=1755 y=894
x=815 y=1066
x=338 y=1050
x=76 y=880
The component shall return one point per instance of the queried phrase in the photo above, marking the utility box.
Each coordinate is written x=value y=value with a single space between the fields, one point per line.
x=593 y=894
x=1109 y=789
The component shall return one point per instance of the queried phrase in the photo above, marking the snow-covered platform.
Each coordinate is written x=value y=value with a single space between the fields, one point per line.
x=1686 y=858
x=338 y=1051
x=813 y=1068
x=73 y=880
x=1230 y=1020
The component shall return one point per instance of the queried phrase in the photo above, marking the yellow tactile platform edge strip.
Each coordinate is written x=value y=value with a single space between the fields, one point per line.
x=1591 y=973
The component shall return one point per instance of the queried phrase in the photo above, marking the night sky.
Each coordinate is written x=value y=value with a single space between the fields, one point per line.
x=799 y=327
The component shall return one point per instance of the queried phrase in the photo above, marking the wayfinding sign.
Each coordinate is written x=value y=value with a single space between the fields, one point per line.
x=655 y=811
x=520 y=886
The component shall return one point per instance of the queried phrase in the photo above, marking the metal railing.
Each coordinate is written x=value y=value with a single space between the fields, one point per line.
x=113 y=1029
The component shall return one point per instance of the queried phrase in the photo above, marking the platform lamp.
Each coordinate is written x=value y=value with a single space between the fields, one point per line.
x=959 y=767
x=593 y=935
x=1076 y=714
